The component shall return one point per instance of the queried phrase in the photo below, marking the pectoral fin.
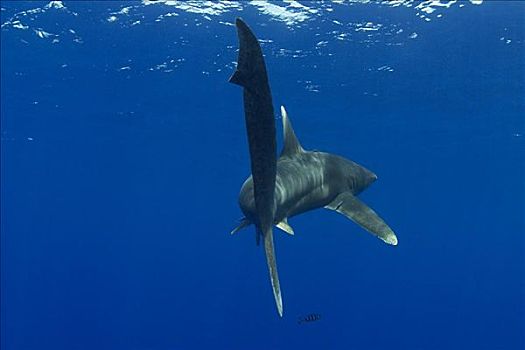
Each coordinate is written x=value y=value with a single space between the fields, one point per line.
x=351 y=207
x=244 y=223
x=283 y=225
x=272 y=267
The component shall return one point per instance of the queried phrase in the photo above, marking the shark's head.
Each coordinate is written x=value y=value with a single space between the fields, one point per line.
x=361 y=178
x=356 y=177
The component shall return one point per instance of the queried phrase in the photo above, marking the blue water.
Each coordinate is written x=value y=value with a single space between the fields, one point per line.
x=123 y=150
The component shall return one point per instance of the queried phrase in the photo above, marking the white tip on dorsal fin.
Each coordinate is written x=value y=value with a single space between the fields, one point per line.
x=291 y=143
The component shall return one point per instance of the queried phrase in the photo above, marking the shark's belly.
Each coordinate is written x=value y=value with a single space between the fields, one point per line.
x=301 y=185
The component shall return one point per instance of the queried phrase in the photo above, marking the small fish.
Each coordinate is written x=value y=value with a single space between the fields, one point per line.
x=309 y=318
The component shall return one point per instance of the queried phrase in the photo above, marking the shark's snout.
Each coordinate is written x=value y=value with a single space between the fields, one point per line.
x=368 y=176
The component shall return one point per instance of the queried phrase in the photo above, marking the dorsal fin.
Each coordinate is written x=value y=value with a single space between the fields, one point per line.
x=291 y=143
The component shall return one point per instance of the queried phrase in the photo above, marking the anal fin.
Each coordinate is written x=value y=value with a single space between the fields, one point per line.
x=283 y=225
x=351 y=207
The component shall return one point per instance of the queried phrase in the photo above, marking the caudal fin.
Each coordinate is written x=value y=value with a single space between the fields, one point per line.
x=272 y=267
x=260 y=126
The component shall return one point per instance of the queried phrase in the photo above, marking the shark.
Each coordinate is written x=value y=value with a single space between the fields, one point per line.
x=297 y=180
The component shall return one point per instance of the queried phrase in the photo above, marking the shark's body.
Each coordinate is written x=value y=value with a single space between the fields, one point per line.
x=297 y=181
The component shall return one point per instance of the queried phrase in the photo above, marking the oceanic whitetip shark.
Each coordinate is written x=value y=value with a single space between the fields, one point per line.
x=298 y=180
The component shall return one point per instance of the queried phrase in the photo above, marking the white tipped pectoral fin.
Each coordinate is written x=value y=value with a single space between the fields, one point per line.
x=283 y=225
x=351 y=207
x=244 y=223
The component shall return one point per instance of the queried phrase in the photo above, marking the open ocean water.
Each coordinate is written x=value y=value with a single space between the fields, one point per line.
x=123 y=149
